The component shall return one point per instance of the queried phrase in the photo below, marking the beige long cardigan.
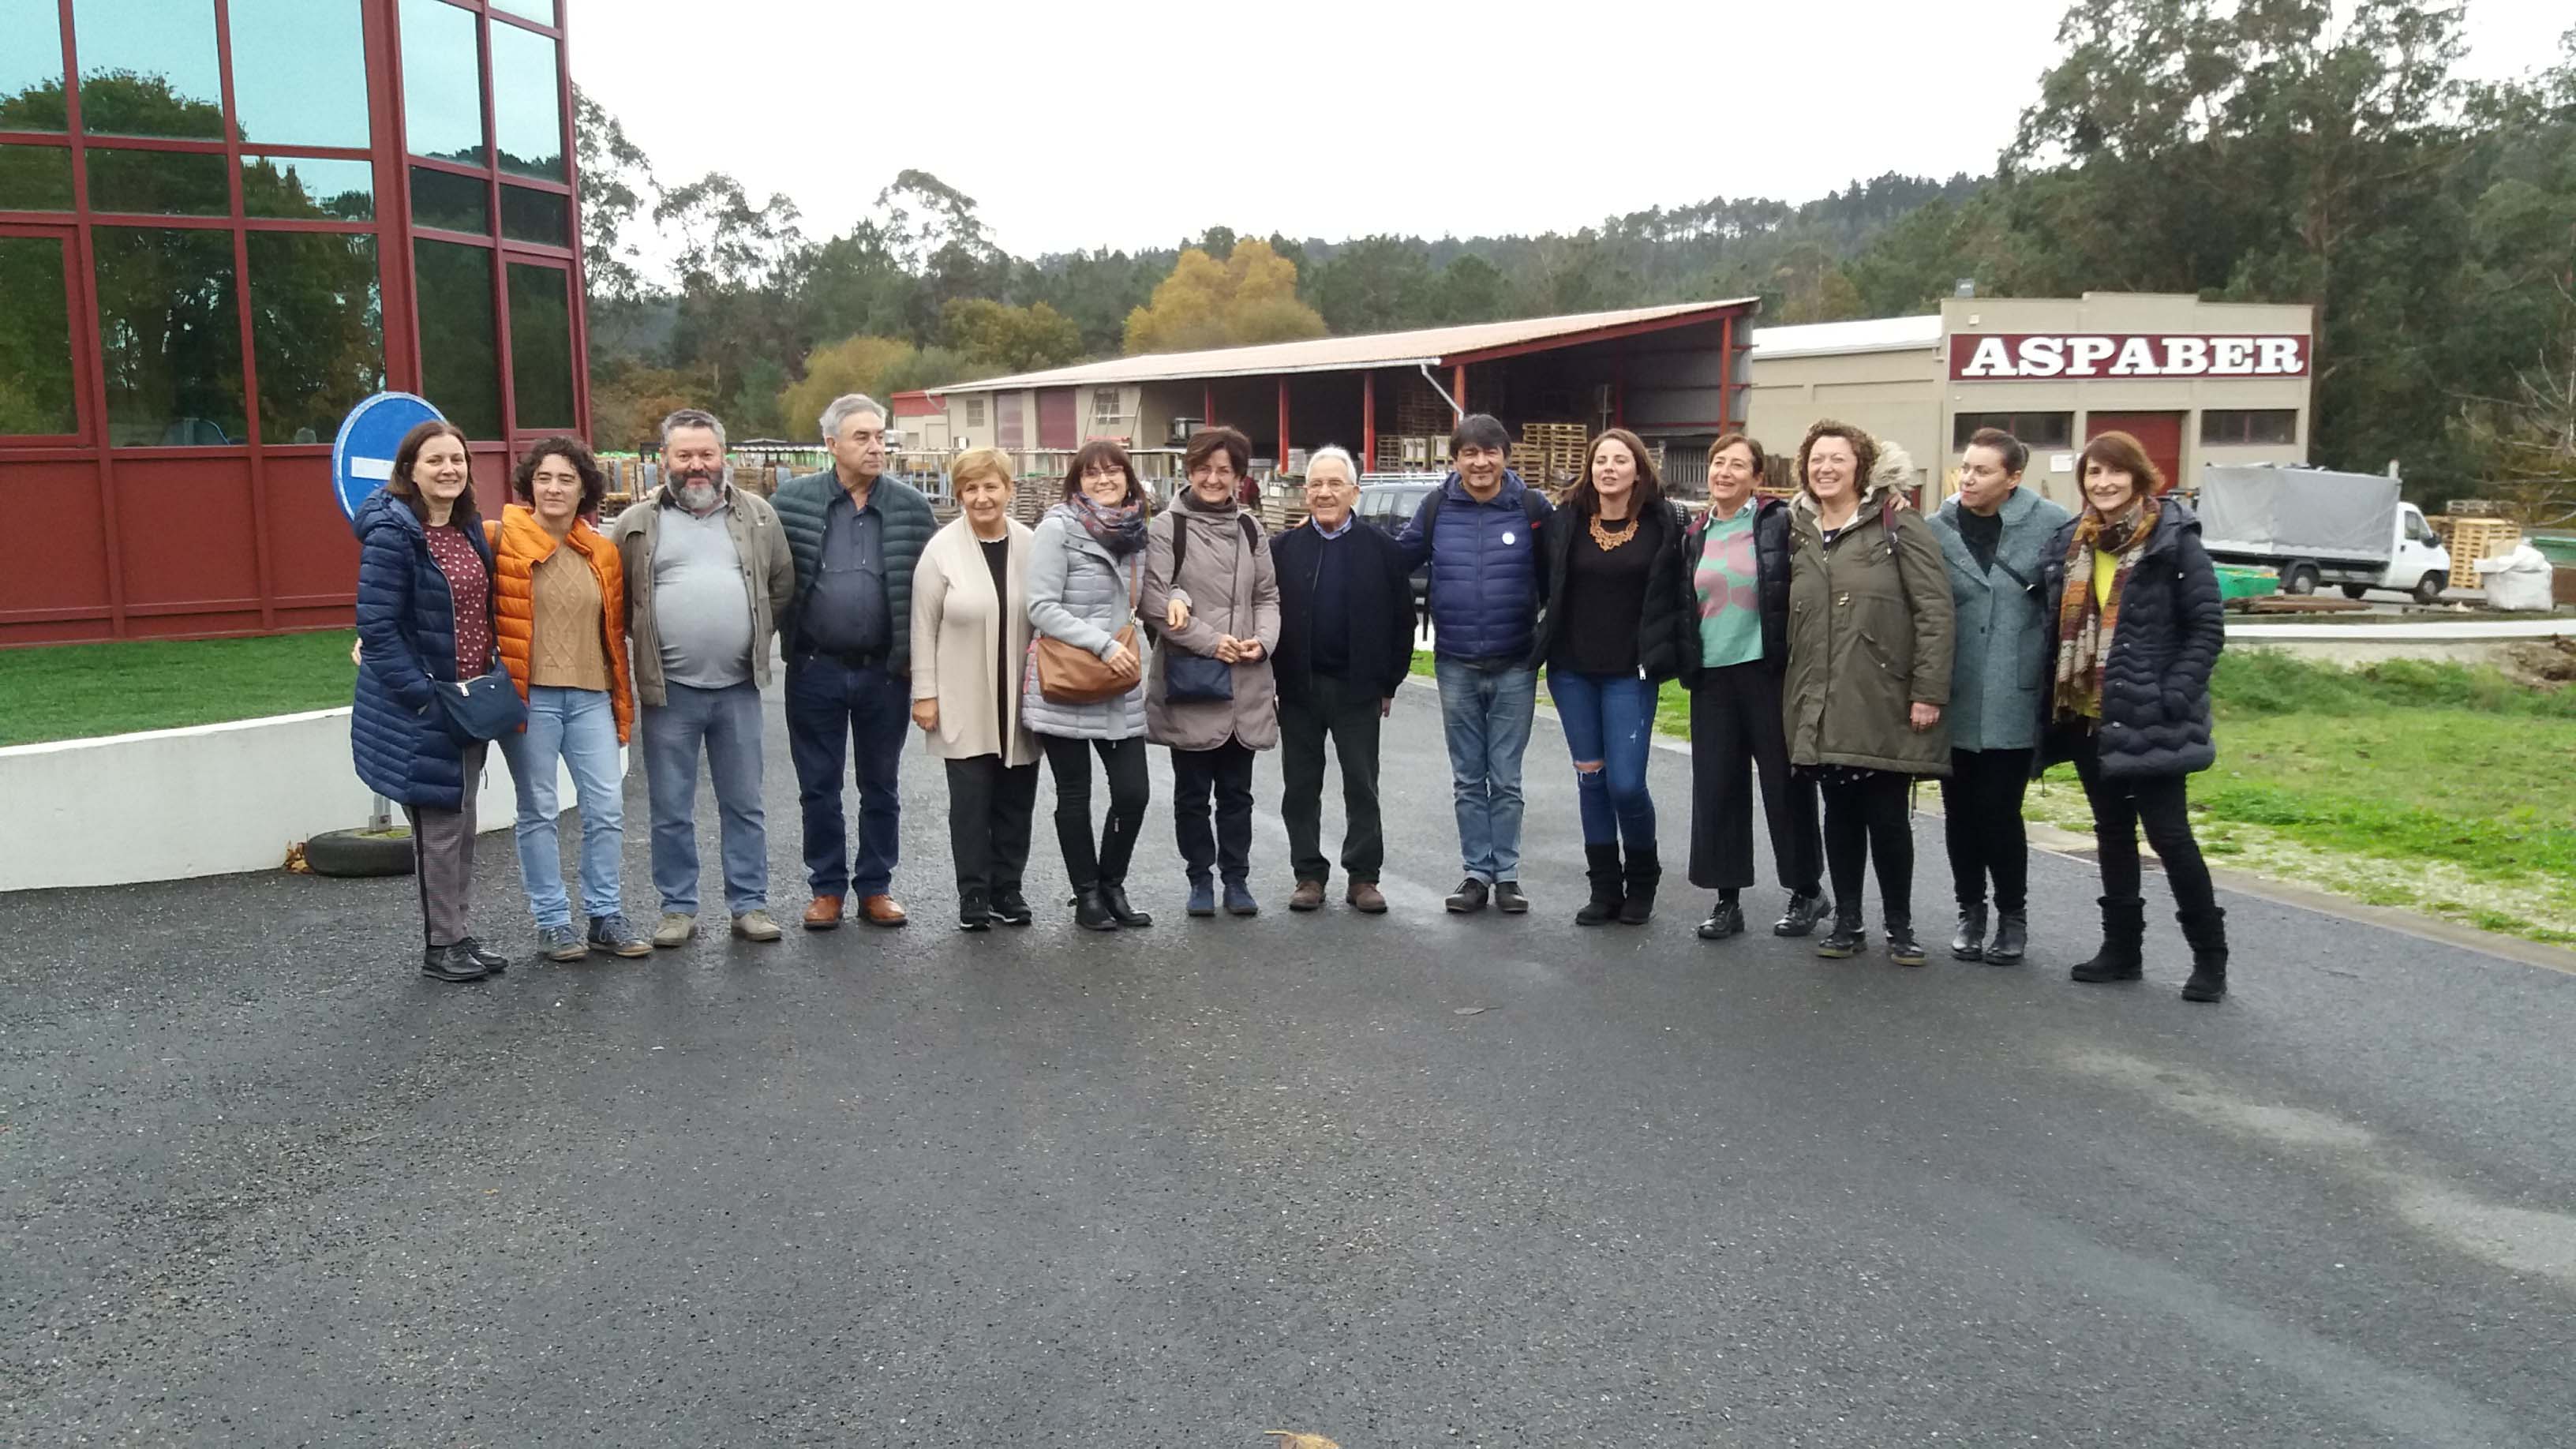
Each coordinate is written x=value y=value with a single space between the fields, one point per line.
x=961 y=634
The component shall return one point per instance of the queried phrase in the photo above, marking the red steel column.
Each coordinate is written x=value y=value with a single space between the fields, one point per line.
x=1207 y=404
x=1726 y=376
x=1368 y=422
x=1458 y=387
x=1283 y=427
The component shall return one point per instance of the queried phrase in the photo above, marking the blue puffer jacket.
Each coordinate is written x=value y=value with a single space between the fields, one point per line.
x=407 y=638
x=1487 y=577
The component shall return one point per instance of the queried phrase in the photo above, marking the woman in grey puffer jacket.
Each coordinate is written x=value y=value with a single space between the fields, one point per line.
x=1086 y=568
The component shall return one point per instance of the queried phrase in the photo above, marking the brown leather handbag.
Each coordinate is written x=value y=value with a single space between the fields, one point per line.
x=1070 y=674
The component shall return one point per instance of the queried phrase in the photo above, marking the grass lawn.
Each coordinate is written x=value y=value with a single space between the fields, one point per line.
x=79 y=690
x=2441 y=788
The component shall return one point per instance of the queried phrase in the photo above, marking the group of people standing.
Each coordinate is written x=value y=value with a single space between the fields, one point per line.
x=1836 y=646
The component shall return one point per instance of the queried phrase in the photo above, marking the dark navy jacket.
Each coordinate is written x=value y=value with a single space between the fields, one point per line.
x=407 y=638
x=2155 y=685
x=1488 y=579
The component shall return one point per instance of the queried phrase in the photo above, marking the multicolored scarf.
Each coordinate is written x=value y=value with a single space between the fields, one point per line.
x=1121 y=530
x=2085 y=623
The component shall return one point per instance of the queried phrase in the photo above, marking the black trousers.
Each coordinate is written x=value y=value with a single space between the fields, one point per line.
x=1123 y=763
x=1223 y=844
x=1865 y=824
x=1735 y=726
x=2162 y=805
x=1981 y=824
x=1349 y=714
x=990 y=807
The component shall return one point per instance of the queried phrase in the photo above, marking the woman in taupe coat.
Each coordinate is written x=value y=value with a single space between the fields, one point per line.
x=1215 y=598
x=1871 y=626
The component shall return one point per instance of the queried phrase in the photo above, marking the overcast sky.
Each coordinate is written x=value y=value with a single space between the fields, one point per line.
x=1131 y=123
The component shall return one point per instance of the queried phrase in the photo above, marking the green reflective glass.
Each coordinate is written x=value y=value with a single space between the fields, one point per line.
x=170 y=336
x=442 y=82
x=35 y=178
x=527 y=103
x=317 y=330
x=310 y=187
x=299 y=72
x=35 y=340
x=540 y=11
x=160 y=183
x=541 y=346
x=543 y=217
x=31 y=67
x=148 y=68
x=460 y=346
x=450 y=202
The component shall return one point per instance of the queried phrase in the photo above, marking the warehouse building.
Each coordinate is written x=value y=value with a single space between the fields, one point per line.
x=2196 y=382
x=231 y=224
x=1674 y=374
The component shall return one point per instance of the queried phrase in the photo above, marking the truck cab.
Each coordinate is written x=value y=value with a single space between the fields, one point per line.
x=2418 y=565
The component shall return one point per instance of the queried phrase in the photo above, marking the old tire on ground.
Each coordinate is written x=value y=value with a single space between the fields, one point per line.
x=2355 y=591
x=2428 y=589
x=2301 y=579
x=359 y=853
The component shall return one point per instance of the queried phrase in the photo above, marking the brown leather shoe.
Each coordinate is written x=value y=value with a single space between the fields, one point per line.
x=881 y=911
x=824 y=914
x=1309 y=896
x=1365 y=898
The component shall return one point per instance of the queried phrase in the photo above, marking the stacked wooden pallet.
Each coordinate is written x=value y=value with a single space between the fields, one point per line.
x=1550 y=454
x=2470 y=539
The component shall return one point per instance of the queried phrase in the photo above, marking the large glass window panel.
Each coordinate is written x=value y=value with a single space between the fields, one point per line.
x=540 y=11
x=163 y=183
x=450 y=202
x=308 y=187
x=35 y=340
x=170 y=336
x=460 y=345
x=35 y=178
x=541 y=346
x=31 y=67
x=527 y=103
x=299 y=72
x=317 y=330
x=148 y=68
x=442 y=82
x=543 y=217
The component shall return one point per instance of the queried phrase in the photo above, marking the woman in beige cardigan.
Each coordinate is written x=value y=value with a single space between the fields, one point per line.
x=970 y=638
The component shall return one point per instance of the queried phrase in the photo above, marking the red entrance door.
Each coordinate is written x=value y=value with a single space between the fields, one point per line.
x=2159 y=433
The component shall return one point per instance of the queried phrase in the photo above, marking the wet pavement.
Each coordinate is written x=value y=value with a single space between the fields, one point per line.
x=1414 y=1180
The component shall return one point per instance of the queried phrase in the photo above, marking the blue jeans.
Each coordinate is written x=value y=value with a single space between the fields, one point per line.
x=835 y=712
x=726 y=724
x=1486 y=709
x=578 y=727
x=1609 y=719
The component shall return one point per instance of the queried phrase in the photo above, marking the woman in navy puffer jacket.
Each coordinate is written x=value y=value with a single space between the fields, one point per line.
x=425 y=618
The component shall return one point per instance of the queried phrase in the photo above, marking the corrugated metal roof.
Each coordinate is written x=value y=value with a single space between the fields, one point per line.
x=1823 y=339
x=1339 y=354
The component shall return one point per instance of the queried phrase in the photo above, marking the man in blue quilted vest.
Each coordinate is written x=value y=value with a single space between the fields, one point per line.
x=1479 y=530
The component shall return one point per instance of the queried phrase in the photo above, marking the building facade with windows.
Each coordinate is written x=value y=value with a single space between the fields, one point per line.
x=2196 y=382
x=224 y=222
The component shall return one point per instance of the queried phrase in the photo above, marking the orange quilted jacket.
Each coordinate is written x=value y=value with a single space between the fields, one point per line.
x=519 y=544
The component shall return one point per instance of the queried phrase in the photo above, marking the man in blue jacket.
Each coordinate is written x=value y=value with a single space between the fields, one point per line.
x=1479 y=530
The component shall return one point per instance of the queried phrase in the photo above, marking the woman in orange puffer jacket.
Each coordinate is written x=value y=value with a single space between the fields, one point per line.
x=561 y=620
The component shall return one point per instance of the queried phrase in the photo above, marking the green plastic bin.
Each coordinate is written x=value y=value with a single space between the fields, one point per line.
x=2238 y=582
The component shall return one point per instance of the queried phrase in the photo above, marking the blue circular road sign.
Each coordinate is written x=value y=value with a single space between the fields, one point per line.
x=362 y=457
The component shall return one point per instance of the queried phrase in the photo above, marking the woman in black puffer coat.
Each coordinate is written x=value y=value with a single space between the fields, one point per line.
x=2137 y=629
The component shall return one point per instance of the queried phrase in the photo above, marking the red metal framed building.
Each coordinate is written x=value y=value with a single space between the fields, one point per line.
x=223 y=222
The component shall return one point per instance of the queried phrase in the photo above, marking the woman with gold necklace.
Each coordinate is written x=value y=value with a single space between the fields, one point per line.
x=1618 y=618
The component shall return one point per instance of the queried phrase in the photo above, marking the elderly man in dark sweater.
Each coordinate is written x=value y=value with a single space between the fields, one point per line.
x=1345 y=645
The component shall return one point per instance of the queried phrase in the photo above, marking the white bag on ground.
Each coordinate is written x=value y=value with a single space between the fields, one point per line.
x=2519 y=581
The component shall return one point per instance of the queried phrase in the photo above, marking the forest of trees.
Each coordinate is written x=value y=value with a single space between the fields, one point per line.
x=2263 y=150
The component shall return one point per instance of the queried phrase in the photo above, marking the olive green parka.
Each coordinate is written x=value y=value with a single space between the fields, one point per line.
x=1871 y=628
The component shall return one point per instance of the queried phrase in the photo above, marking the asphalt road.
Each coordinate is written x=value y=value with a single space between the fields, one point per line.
x=261 y=1183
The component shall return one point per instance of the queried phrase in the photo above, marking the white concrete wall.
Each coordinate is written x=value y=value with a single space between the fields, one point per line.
x=207 y=800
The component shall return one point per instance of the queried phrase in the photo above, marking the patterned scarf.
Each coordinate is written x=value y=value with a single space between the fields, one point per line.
x=2085 y=624
x=1121 y=530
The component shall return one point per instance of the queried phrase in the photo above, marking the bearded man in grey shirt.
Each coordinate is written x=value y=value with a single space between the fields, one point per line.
x=707 y=577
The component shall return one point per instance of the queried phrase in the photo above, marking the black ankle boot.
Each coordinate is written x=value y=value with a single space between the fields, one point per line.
x=2012 y=937
x=1091 y=912
x=1113 y=894
x=1645 y=871
x=1968 y=943
x=2124 y=938
x=1846 y=938
x=2207 y=933
x=1601 y=867
x=1902 y=948
x=1725 y=919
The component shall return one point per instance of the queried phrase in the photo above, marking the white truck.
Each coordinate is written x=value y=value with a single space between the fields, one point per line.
x=2316 y=526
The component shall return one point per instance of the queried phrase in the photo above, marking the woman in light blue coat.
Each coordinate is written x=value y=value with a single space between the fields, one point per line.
x=1086 y=570
x=1994 y=537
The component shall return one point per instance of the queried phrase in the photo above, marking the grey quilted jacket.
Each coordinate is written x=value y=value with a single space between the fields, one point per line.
x=1078 y=593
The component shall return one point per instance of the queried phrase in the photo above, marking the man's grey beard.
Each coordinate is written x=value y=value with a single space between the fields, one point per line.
x=697 y=495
